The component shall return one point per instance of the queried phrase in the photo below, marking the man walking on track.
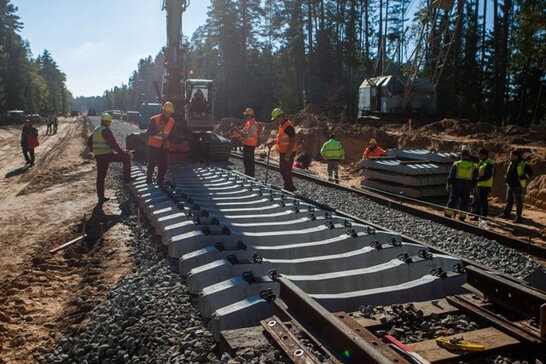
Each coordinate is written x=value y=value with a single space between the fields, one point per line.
x=332 y=152
x=517 y=177
x=250 y=141
x=29 y=141
x=285 y=143
x=159 y=128
x=103 y=144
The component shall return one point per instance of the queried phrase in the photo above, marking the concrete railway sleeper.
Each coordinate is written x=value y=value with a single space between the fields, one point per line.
x=254 y=254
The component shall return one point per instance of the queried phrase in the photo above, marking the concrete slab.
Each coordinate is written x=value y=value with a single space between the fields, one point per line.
x=402 y=167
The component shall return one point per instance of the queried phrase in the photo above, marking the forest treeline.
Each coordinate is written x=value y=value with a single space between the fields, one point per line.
x=35 y=85
x=290 y=53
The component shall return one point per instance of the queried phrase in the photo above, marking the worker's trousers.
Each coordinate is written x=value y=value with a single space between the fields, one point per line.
x=333 y=170
x=513 y=194
x=157 y=157
x=28 y=153
x=459 y=198
x=286 y=171
x=248 y=160
x=103 y=161
x=480 y=205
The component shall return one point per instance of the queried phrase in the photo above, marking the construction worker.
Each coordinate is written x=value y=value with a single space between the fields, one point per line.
x=517 y=176
x=159 y=128
x=29 y=141
x=250 y=141
x=285 y=144
x=486 y=172
x=460 y=182
x=332 y=151
x=55 y=123
x=373 y=150
x=49 y=123
x=106 y=149
x=235 y=137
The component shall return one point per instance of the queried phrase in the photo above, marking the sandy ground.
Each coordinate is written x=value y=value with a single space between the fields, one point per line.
x=44 y=296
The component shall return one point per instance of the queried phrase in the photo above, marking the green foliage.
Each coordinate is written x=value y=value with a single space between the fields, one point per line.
x=290 y=53
x=33 y=85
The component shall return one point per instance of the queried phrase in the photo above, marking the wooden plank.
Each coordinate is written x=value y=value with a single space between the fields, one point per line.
x=442 y=307
x=492 y=338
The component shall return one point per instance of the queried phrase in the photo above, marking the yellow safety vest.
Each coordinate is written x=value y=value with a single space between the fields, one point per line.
x=521 y=171
x=465 y=170
x=481 y=172
x=99 y=144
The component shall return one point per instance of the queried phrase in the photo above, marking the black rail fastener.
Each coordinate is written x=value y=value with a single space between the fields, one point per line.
x=241 y=245
x=226 y=231
x=232 y=258
x=268 y=295
x=395 y=242
x=206 y=230
x=422 y=253
x=311 y=217
x=376 y=245
x=405 y=258
x=273 y=274
x=458 y=268
x=248 y=276
x=296 y=209
x=352 y=233
x=220 y=246
x=255 y=258
x=438 y=272
x=197 y=221
x=347 y=223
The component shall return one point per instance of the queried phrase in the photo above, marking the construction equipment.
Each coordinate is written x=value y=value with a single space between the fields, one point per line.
x=192 y=98
x=410 y=84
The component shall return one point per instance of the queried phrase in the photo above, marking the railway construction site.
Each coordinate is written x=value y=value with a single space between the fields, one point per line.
x=215 y=266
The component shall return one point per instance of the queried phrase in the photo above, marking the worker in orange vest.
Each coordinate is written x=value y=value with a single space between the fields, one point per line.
x=285 y=143
x=373 y=150
x=159 y=128
x=250 y=141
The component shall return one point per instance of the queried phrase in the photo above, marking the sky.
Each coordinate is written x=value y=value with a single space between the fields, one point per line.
x=97 y=43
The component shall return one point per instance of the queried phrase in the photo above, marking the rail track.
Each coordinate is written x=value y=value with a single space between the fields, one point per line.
x=326 y=286
x=402 y=204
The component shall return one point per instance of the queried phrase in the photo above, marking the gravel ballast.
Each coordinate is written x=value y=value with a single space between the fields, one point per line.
x=477 y=248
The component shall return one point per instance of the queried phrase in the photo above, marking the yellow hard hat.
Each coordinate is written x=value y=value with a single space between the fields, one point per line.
x=168 y=106
x=105 y=117
x=248 y=112
x=276 y=113
x=373 y=141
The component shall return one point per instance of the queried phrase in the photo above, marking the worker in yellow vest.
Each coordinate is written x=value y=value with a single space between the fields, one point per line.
x=285 y=143
x=106 y=149
x=460 y=182
x=486 y=173
x=250 y=141
x=159 y=128
x=517 y=176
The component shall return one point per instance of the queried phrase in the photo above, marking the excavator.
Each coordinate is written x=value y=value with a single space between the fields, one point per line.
x=193 y=101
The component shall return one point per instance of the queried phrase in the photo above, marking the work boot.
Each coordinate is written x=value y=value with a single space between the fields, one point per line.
x=103 y=199
x=504 y=216
x=330 y=179
x=518 y=220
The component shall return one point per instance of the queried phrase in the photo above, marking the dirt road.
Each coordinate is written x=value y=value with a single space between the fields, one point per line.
x=44 y=296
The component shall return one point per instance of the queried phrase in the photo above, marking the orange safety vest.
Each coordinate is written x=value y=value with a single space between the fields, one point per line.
x=251 y=139
x=283 y=140
x=378 y=151
x=164 y=131
x=235 y=134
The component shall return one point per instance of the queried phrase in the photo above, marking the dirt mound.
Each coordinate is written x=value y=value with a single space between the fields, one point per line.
x=224 y=126
x=536 y=192
x=310 y=117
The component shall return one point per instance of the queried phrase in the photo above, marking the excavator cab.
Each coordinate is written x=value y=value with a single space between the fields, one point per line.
x=199 y=105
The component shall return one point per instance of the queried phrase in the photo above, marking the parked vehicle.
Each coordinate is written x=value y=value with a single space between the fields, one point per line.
x=132 y=116
x=35 y=118
x=15 y=116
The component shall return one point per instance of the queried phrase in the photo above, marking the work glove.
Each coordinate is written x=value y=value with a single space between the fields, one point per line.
x=449 y=188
